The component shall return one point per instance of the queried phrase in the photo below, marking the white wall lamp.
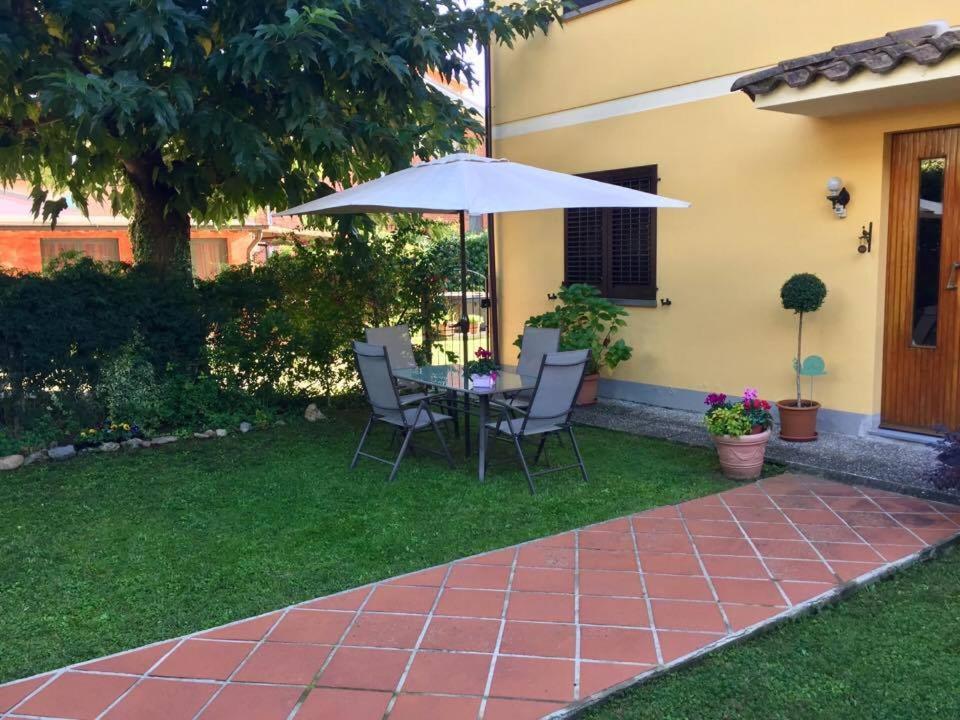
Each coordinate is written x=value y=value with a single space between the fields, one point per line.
x=838 y=196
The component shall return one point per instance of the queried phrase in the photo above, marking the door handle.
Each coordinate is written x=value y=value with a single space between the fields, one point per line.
x=952 y=280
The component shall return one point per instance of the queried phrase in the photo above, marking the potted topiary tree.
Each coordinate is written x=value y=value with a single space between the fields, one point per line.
x=802 y=293
x=587 y=321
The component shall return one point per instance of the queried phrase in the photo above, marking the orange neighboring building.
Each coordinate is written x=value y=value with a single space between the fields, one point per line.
x=28 y=243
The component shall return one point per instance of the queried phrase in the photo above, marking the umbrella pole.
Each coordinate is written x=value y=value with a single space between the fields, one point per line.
x=464 y=318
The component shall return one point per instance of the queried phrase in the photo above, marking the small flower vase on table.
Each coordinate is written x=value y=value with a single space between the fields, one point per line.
x=482 y=371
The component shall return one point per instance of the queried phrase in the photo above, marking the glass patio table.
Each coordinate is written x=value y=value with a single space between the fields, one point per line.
x=451 y=378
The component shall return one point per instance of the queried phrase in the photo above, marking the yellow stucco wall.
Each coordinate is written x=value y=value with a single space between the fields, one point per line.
x=641 y=45
x=756 y=180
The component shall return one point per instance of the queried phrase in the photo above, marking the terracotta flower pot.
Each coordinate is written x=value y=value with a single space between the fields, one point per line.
x=741 y=458
x=588 y=391
x=798 y=423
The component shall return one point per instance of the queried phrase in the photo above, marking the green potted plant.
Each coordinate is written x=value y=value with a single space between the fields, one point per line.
x=740 y=432
x=587 y=321
x=803 y=293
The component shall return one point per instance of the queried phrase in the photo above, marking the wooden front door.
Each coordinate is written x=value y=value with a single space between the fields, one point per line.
x=921 y=361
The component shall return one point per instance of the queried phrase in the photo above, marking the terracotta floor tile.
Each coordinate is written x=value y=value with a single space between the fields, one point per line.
x=283 y=663
x=471 y=603
x=753 y=592
x=935 y=535
x=618 y=525
x=448 y=673
x=867 y=519
x=334 y=704
x=800 y=592
x=675 y=645
x=659 y=543
x=807 y=570
x=858 y=552
x=540 y=606
x=617 y=643
x=543 y=639
x=487 y=577
x=829 y=533
x=312 y=626
x=473 y=634
x=14 y=693
x=593 y=540
x=887 y=536
x=543 y=580
x=204 y=660
x=892 y=553
x=812 y=517
x=627 y=612
x=371 y=669
x=851 y=504
x=252 y=630
x=693 y=511
x=598 y=676
x=771 y=531
x=393 y=631
x=664 y=511
x=744 y=616
x=546 y=557
x=738 y=567
x=344 y=601
x=669 y=564
x=401 y=599
x=852 y=570
x=608 y=560
x=766 y=515
x=160 y=699
x=497 y=557
x=566 y=540
x=753 y=499
x=498 y=709
x=724 y=546
x=902 y=504
x=427 y=578
x=252 y=701
x=678 y=587
x=787 y=549
x=602 y=582
x=533 y=679
x=807 y=502
x=711 y=500
x=136 y=662
x=714 y=528
x=658 y=525
x=420 y=707
x=686 y=615
x=77 y=695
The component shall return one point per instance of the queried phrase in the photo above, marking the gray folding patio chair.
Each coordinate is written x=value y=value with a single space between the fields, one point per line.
x=396 y=339
x=551 y=405
x=536 y=343
x=373 y=364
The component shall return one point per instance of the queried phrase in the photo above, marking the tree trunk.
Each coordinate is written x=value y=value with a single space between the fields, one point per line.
x=799 y=357
x=160 y=233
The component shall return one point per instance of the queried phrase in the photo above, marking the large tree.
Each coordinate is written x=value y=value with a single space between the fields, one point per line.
x=207 y=109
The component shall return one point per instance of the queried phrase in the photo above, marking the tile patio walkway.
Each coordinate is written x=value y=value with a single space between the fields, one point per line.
x=521 y=632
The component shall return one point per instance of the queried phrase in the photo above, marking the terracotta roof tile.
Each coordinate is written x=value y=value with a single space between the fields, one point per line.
x=924 y=45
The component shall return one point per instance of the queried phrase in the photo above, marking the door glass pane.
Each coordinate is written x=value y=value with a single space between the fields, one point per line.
x=926 y=291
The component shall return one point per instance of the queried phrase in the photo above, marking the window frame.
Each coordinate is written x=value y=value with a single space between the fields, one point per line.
x=597 y=5
x=645 y=295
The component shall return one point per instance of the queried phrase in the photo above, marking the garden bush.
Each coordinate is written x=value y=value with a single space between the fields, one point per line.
x=87 y=341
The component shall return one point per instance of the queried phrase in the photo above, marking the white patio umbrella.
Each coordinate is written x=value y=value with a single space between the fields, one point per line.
x=470 y=184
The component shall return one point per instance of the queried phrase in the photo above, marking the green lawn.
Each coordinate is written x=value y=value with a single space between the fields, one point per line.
x=889 y=653
x=109 y=552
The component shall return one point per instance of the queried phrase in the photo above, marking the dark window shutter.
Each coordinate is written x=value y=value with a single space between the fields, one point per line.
x=584 y=246
x=615 y=249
